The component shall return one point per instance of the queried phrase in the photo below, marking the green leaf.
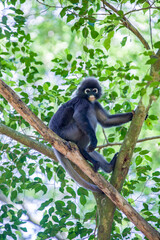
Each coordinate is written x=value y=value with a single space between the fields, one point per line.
x=44 y=220
x=69 y=223
x=154 y=189
x=71 y=191
x=69 y=57
x=70 y=17
x=31 y=171
x=143 y=152
x=85 y=32
x=153 y=117
x=124 y=40
x=148 y=158
x=157 y=173
x=94 y=34
x=83 y=200
x=20 y=20
x=45 y=204
x=74 y=1
x=44 y=189
x=59 y=205
x=13 y=2
x=89 y=216
x=157 y=44
x=24 y=229
x=107 y=41
x=51 y=210
x=82 y=191
x=49 y=174
x=151 y=61
x=85 y=49
x=148 y=123
x=4 y=20
x=138 y=160
x=13 y=195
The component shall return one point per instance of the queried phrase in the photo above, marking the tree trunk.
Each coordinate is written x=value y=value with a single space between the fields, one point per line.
x=123 y=162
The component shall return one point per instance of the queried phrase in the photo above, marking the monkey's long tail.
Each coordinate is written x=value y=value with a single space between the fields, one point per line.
x=70 y=170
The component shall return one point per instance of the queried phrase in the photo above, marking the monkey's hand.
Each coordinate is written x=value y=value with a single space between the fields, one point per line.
x=113 y=161
x=133 y=112
x=146 y=116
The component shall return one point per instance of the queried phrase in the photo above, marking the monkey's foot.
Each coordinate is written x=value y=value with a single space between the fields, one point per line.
x=96 y=166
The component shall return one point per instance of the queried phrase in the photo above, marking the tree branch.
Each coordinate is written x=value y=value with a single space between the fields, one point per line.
x=141 y=9
x=71 y=151
x=127 y=24
x=109 y=144
x=27 y=141
x=33 y=144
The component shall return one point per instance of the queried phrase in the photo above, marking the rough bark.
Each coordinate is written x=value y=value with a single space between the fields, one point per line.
x=121 y=170
x=125 y=154
x=71 y=152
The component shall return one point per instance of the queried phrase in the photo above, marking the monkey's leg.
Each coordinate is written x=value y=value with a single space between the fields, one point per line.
x=106 y=166
x=88 y=157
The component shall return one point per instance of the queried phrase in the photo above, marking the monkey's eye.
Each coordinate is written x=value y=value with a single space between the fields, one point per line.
x=87 y=90
x=95 y=90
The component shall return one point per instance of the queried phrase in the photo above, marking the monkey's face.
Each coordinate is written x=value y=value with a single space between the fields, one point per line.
x=91 y=94
x=89 y=89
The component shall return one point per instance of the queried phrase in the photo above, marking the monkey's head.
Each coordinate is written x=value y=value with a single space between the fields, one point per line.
x=89 y=89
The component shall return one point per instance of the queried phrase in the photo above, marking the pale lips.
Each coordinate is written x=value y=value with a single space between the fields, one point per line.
x=92 y=98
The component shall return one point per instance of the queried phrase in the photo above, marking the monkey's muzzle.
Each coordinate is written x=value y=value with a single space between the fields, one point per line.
x=92 y=98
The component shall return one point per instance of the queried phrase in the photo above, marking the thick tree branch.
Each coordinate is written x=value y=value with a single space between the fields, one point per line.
x=127 y=24
x=71 y=152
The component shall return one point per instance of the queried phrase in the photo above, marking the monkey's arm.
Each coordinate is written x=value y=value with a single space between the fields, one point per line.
x=107 y=120
x=82 y=121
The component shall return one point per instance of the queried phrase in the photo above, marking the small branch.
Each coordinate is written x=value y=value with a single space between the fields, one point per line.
x=141 y=9
x=105 y=135
x=150 y=27
x=49 y=6
x=120 y=143
x=128 y=25
x=71 y=152
x=27 y=141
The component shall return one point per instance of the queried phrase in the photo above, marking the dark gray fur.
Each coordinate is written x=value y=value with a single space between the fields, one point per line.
x=76 y=121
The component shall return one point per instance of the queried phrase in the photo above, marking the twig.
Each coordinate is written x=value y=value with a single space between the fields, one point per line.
x=141 y=9
x=47 y=5
x=150 y=27
x=105 y=136
x=120 y=143
x=128 y=25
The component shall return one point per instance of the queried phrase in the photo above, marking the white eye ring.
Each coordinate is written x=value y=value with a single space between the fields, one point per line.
x=87 y=90
x=95 y=90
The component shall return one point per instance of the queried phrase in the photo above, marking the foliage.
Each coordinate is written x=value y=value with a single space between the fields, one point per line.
x=85 y=38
